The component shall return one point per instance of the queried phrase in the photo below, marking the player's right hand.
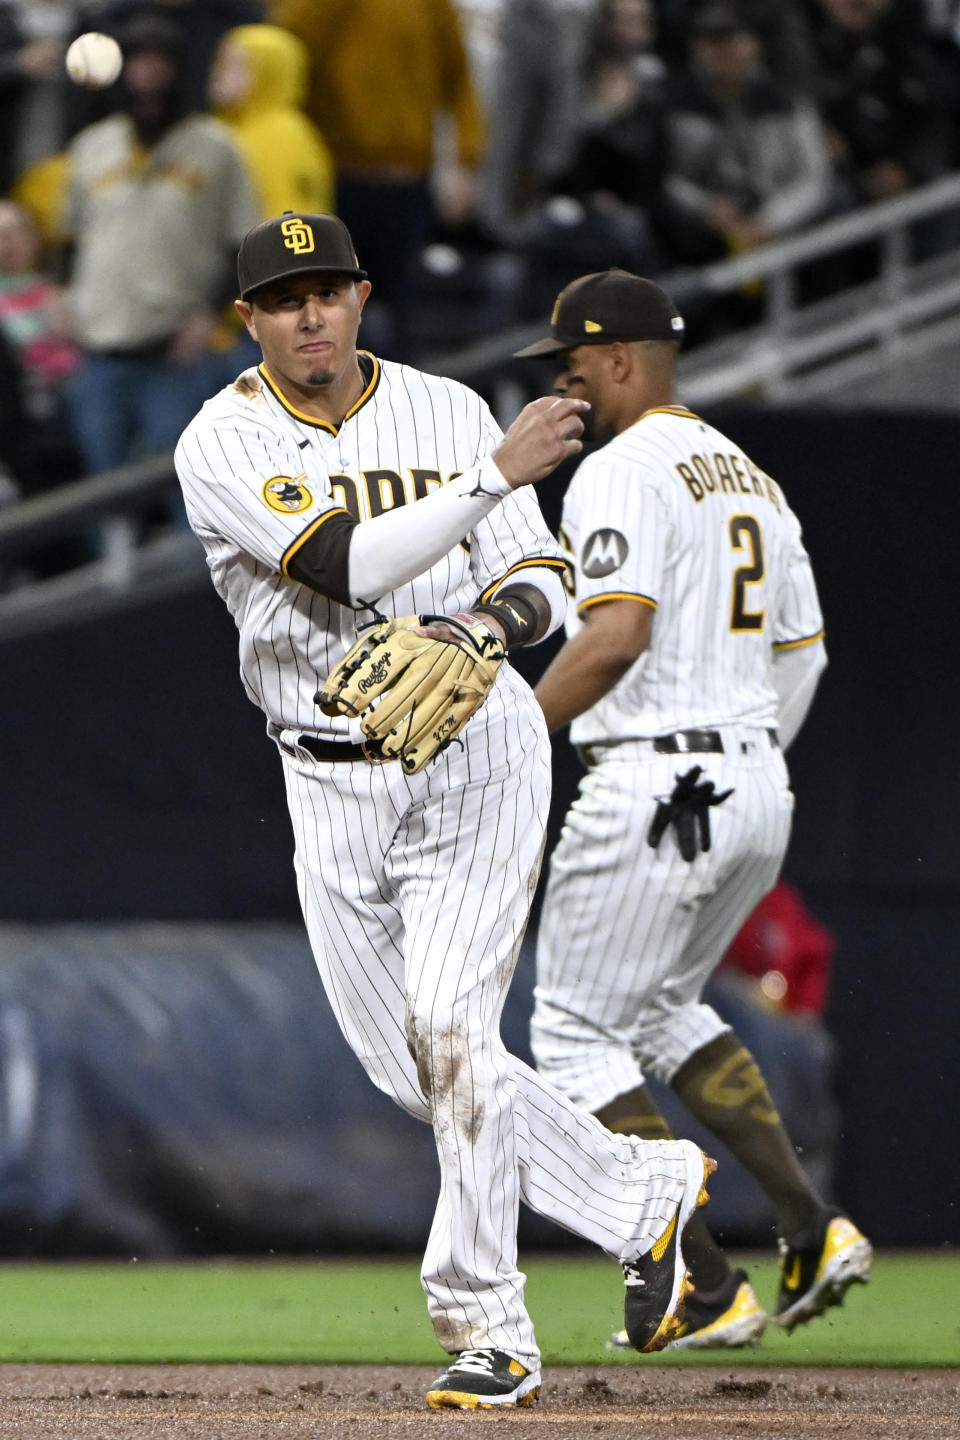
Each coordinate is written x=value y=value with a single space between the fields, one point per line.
x=545 y=432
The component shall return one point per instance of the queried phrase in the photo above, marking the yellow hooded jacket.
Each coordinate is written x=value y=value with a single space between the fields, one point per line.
x=288 y=160
x=380 y=72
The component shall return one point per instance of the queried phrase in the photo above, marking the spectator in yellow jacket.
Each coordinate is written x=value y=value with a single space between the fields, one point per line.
x=383 y=72
x=258 y=83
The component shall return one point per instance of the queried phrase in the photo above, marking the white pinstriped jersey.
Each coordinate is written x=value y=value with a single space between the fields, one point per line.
x=256 y=474
x=673 y=514
x=416 y=888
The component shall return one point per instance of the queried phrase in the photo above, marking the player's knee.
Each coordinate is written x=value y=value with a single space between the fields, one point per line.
x=663 y=1042
x=439 y=1043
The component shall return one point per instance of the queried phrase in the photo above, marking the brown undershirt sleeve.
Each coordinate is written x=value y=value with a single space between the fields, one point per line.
x=319 y=556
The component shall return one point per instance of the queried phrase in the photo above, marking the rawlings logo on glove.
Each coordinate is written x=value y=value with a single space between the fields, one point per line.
x=414 y=693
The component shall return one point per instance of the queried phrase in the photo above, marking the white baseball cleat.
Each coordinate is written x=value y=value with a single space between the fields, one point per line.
x=481 y=1379
x=811 y=1280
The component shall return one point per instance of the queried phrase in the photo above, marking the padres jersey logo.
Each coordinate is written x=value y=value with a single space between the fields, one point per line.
x=604 y=552
x=287 y=497
x=297 y=236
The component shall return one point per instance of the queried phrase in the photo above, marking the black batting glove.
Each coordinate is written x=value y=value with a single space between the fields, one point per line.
x=687 y=809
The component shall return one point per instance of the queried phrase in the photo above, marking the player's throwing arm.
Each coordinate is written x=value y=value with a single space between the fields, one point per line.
x=412 y=684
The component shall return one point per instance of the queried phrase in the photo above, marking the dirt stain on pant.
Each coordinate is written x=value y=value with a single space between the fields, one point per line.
x=441 y=1056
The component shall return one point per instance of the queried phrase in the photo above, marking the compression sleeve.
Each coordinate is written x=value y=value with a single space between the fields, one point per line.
x=349 y=560
x=393 y=548
x=796 y=673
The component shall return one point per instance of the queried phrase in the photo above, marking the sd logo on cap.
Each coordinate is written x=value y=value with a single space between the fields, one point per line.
x=292 y=245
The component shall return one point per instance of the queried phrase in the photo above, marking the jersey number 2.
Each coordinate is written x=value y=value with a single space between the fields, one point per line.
x=745 y=534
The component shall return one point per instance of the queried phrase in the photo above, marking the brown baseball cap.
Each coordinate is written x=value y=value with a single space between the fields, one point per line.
x=610 y=305
x=295 y=244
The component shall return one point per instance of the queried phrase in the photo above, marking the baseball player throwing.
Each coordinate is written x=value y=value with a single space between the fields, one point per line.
x=370 y=531
x=695 y=643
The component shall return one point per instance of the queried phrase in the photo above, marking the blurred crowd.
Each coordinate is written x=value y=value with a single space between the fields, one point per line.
x=482 y=153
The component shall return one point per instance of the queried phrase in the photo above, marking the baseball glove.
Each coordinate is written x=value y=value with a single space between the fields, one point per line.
x=414 y=694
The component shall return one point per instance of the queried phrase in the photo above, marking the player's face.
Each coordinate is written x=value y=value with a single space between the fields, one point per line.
x=582 y=376
x=307 y=326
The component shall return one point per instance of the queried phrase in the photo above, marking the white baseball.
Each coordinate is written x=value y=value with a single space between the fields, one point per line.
x=94 y=60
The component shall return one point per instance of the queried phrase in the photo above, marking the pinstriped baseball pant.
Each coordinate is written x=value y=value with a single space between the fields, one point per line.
x=415 y=890
x=629 y=935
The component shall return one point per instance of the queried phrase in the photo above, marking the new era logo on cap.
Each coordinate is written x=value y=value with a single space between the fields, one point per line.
x=608 y=306
x=293 y=244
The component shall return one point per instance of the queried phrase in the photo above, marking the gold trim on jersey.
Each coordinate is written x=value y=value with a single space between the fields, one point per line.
x=680 y=410
x=615 y=595
x=296 y=546
x=796 y=644
x=330 y=428
x=540 y=563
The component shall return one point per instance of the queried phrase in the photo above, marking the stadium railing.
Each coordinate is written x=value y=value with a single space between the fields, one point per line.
x=795 y=350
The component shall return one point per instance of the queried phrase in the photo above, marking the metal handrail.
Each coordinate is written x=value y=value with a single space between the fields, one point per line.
x=54 y=514
x=831 y=236
x=705 y=371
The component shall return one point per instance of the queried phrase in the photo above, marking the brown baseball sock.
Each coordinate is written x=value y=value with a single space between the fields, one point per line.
x=636 y=1114
x=723 y=1086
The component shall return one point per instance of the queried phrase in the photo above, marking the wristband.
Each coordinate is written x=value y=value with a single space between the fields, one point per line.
x=516 y=615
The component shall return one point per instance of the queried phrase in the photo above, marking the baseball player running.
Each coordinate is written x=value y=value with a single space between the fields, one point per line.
x=368 y=527
x=695 y=643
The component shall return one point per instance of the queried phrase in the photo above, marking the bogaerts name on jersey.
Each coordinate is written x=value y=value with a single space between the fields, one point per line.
x=726 y=474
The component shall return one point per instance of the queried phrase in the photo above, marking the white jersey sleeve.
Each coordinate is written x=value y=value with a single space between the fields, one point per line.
x=243 y=480
x=797 y=617
x=622 y=528
x=511 y=543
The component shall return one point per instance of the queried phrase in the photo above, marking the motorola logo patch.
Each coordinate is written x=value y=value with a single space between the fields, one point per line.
x=604 y=552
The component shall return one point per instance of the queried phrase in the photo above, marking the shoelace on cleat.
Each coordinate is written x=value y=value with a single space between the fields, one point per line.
x=632 y=1276
x=476 y=1362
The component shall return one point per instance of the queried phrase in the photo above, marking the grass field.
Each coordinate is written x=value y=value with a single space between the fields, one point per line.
x=335 y=1312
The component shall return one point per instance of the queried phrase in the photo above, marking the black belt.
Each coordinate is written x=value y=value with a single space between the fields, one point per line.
x=330 y=749
x=693 y=742
x=682 y=742
x=698 y=742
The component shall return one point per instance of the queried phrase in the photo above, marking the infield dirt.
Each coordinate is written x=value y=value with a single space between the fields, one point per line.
x=246 y=1402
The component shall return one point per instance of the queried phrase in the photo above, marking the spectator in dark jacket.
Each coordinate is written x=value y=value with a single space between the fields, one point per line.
x=616 y=172
x=780 y=24
x=879 y=97
x=747 y=159
x=621 y=145
x=34 y=89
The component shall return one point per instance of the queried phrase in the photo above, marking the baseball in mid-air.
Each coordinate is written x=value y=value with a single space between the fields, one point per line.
x=94 y=60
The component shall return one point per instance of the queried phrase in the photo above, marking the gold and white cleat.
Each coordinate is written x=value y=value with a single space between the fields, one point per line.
x=813 y=1280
